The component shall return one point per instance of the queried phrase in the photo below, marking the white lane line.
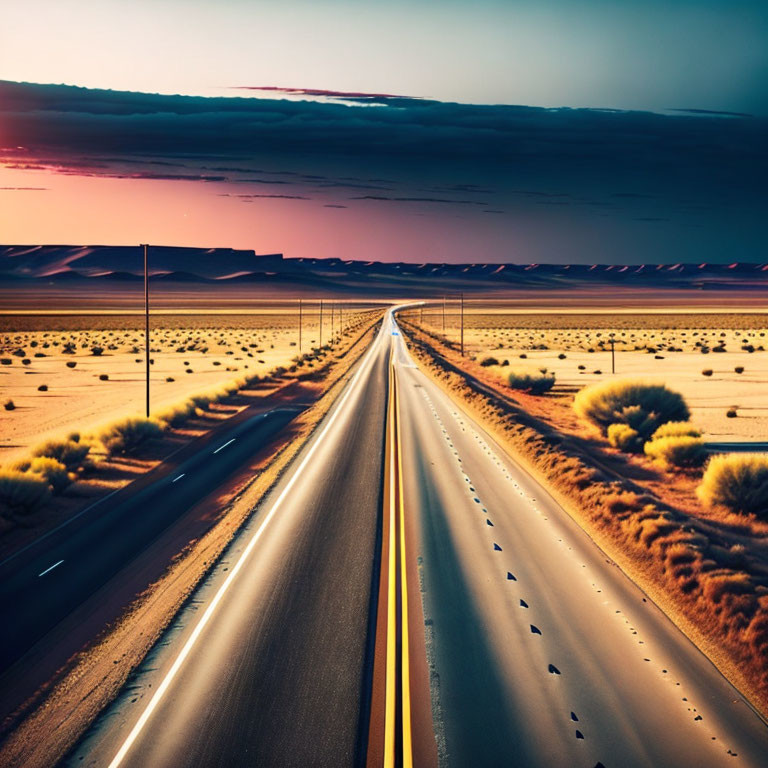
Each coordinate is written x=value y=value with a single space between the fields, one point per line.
x=179 y=477
x=222 y=447
x=48 y=570
x=206 y=617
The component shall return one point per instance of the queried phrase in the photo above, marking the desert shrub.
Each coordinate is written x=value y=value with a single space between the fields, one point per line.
x=706 y=372
x=643 y=406
x=676 y=429
x=739 y=369
x=103 y=377
x=486 y=361
x=731 y=413
x=21 y=493
x=738 y=482
x=71 y=364
x=97 y=351
x=127 y=435
x=623 y=437
x=42 y=388
x=203 y=401
x=169 y=378
x=676 y=451
x=71 y=453
x=6 y=361
x=53 y=472
x=175 y=415
x=535 y=383
x=9 y=405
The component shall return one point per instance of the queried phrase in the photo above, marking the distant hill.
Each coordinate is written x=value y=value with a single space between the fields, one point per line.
x=210 y=269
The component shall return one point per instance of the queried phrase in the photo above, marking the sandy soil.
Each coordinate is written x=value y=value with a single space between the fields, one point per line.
x=644 y=349
x=191 y=354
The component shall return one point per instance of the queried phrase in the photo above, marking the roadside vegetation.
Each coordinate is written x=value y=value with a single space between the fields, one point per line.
x=737 y=482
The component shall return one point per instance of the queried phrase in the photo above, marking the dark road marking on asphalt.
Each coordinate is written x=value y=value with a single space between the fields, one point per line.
x=574 y=718
x=523 y=604
x=579 y=735
x=488 y=522
x=535 y=630
x=511 y=576
x=48 y=570
x=496 y=547
x=553 y=670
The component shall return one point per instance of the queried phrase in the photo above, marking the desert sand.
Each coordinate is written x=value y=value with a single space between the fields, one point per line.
x=191 y=354
x=673 y=348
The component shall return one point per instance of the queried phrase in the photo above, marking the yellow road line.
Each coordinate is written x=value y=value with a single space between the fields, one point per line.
x=406 y=665
x=391 y=677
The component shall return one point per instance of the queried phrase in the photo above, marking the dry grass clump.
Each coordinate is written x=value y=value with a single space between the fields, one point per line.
x=71 y=452
x=623 y=437
x=21 y=493
x=680 y=451
x=127 y=435
x=52 y=471
x=676 y=429
x=175 y=415
x=535 y=383
x=644 y=406
x=738 y=482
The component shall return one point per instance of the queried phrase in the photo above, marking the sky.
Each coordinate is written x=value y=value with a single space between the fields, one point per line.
x=529 y=131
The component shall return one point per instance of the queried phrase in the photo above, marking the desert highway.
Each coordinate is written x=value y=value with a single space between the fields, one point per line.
x=539 y=651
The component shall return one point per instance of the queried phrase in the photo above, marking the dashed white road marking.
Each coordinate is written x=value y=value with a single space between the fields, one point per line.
x=48 y=570
x=222 y=447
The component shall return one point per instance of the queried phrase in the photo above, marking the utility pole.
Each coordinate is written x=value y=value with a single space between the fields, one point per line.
x=145 y=246
x=462 y=324
x=300 y=318
x=321 y=323
x=613 y=356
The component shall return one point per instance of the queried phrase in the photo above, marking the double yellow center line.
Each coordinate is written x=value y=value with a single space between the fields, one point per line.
x=398 y=747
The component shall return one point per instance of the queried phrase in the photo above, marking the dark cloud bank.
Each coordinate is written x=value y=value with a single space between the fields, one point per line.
x=690 y=186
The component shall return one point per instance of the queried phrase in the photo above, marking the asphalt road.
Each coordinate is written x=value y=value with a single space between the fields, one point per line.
x=542 y=653
x=54 y=575
x=271 y=662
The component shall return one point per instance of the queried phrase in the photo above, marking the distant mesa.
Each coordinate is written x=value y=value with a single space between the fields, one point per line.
x=28 y=266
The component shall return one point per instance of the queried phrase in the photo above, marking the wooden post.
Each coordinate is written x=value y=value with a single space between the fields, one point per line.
x=443 y=315
x=300 y=319
x=321 y=322
x=146 y=324
x=613 y=357
x=462 y=325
